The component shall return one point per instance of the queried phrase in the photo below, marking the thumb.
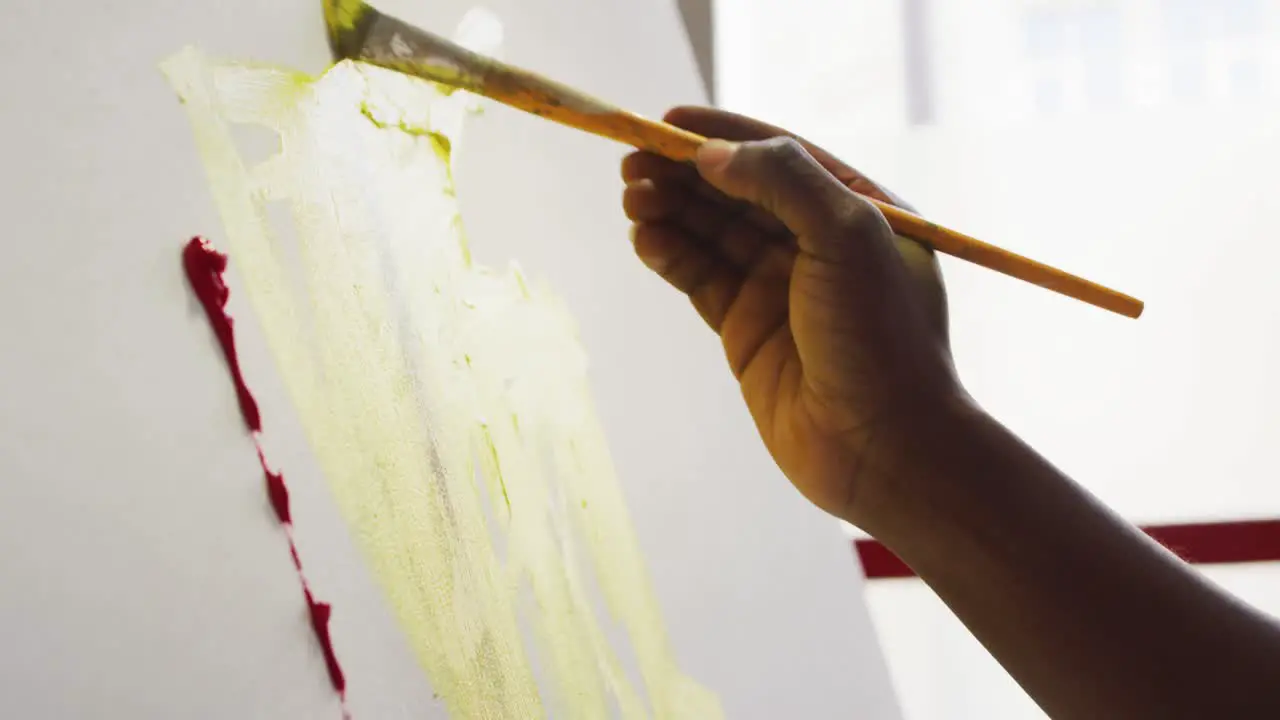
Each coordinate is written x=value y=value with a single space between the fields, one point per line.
x=781 y=177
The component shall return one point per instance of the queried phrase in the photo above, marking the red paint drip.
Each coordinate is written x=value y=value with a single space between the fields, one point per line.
x=205 y=267
x=320 y=613
x=277 y=491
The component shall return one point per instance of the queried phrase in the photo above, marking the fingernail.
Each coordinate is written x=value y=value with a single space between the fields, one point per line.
x=656 y=263
x=715 y=154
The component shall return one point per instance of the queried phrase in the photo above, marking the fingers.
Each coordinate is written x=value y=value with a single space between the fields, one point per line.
x=691 y=267
x=643 y=166
x=722 y=124
x=646 y=201
x=736 y=238
x=659 y=191
x=780 y=176
x=725 y=125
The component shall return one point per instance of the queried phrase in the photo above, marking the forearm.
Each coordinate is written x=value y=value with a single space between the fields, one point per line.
x=1092 y=618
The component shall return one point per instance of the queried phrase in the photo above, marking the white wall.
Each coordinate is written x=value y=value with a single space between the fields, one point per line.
x=1161 y=194
x=803 y=63
x=141 y=572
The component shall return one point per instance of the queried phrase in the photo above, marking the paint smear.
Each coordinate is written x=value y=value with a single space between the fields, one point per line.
x=206 y=269
x=447 y=402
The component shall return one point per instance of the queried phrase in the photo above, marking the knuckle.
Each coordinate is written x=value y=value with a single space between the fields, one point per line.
x=784 y=154
x=856 y=216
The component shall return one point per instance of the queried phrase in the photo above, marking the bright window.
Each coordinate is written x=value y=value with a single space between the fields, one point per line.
x=1131 y=141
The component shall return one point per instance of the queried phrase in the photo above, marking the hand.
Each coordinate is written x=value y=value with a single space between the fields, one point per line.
x=835 y=328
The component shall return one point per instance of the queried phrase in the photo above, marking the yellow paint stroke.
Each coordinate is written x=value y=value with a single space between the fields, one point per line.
x=415 y=372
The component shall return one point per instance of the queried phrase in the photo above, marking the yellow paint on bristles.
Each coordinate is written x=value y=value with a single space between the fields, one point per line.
x=343 y=14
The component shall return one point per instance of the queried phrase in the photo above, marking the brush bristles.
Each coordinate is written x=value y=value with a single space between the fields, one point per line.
x=343 y=19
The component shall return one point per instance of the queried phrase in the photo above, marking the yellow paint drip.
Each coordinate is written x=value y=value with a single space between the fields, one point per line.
x=414 y=372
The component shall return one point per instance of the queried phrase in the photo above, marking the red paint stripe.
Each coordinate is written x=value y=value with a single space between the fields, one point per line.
x=204 y=267
x=1243 y=541
x=1217 y=543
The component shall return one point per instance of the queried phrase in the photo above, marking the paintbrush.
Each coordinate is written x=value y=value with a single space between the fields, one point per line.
x=360 y=32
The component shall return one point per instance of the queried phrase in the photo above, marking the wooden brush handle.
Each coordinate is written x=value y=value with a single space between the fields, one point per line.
x=970 y=249
x=554 y=101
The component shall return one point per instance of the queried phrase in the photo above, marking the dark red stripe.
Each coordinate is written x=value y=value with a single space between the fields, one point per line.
x=205 y=267
x=1218 y=543
x=1242 y=541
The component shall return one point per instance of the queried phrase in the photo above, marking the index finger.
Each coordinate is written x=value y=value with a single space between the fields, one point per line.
x=722 y=124
x=726 y=125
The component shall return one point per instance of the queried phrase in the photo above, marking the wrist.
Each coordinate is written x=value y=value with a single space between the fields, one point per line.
x=936 y=452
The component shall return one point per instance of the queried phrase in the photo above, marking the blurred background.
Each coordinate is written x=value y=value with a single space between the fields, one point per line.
x=1134 y=142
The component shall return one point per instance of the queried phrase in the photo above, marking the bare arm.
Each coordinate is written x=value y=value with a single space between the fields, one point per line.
x=1090 y=616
